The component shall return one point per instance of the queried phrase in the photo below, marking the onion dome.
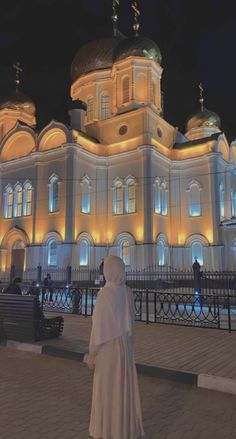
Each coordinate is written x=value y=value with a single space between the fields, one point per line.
x=203 y=118
x=18 y=101
x=138 y=46
x=95 y=55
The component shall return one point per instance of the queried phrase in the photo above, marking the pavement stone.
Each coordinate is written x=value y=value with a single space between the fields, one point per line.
x=49 y=397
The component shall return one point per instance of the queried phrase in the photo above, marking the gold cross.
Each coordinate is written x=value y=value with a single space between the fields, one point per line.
x=18 y=69
x=134 y=6
x=201 y=100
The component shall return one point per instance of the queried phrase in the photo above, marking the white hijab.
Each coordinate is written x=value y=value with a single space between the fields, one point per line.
x=114 y=310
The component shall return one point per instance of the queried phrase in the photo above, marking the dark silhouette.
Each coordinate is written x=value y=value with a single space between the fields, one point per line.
x=197 y=274
x=47 y=287
x=14 y=287
x=101 y=274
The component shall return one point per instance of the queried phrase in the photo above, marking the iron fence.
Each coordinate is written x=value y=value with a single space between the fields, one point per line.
x=152 y=278
x=198 y=310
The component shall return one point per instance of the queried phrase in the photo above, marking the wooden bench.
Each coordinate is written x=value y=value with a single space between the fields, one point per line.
x=22 y=319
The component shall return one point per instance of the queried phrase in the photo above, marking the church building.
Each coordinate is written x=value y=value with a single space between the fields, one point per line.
x=119 y=179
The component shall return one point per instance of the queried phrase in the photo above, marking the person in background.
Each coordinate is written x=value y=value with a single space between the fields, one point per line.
x=116 y=408
x=14 y=287
x=50 y=286
x=101 y=274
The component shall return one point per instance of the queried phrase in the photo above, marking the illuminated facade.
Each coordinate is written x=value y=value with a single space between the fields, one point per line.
x=120 y=179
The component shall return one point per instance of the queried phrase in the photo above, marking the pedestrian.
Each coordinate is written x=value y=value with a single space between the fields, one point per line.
x=47 y=290
x=50 y=287
x=116 y=408
x=14 y=287
x=101 y=274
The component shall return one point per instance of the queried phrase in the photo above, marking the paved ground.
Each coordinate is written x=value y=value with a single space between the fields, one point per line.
x=48 y=397
x=197 y=350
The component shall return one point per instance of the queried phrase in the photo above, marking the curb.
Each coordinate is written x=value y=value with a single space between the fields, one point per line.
x=204 y=381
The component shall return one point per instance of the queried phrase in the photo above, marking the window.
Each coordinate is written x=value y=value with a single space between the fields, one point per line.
x=105 y=106
x=85 y=197
x=233 y=204
x=197 y=252
x=194 y=200
x=130 y=197
x=222 y=201
x=160 y=198
x=125 y=252
x=90 y=109
x=52 y=253
x=125 y=90
x=18 y=200
x=157 y=198
x=53 y=202
x=8 y=202
x=27 y=199
x=84 y=253
x=118 y=199
x=163 y=199
x=160 y=253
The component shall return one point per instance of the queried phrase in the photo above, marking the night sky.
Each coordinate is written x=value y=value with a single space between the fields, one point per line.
x=196 y=38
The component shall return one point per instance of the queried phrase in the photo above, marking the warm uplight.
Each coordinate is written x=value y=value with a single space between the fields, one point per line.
x=181 y=238
x=139 y=233
x=39 y=237
x=96 y=236
x=209 y=235
x=109 y=236
x=62 y=232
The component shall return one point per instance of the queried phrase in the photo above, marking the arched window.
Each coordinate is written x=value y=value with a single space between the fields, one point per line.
x=105 y=106
x=194 y=206
x=85 y=198
x=222 y=201
x=160 y=197
x=118 y=201
x=130 y=197
x=53 y=199
x=157 y=197
x=52 y=252
x=84 y=253
x=18 y=200
x=197 y=252
x=125 y=90
x=125 y=252
x=233 y=204
x=8 y=202
x=164 y=207
x=90 y=109
x=27 y=199
x=160 y=253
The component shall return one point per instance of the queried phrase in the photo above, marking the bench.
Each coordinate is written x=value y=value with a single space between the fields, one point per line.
x=22 y=319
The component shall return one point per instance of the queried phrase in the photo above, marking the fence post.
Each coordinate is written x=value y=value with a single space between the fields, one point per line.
x=39 y=273
x=12 y=272
x=229 y=312
x=75 y=301
x=68 y=274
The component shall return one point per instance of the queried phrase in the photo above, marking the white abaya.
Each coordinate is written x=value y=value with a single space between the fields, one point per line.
x=116 y=409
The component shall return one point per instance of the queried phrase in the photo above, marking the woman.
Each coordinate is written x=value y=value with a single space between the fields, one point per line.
x=116 y=409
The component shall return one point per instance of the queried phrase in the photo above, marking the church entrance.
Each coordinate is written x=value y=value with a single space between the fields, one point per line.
x=18 y=258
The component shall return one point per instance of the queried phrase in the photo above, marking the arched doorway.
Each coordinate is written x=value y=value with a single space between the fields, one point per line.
x=18 y=257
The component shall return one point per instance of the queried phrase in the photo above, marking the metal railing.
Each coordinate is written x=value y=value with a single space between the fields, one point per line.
x=198 y=310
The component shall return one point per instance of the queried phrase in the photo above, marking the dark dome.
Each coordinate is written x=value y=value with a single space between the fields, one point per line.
x=203 y=118
x=95 y=55
x=18 y=101
x=138 y=46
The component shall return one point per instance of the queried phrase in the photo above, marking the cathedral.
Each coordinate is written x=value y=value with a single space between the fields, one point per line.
x=119 y=179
